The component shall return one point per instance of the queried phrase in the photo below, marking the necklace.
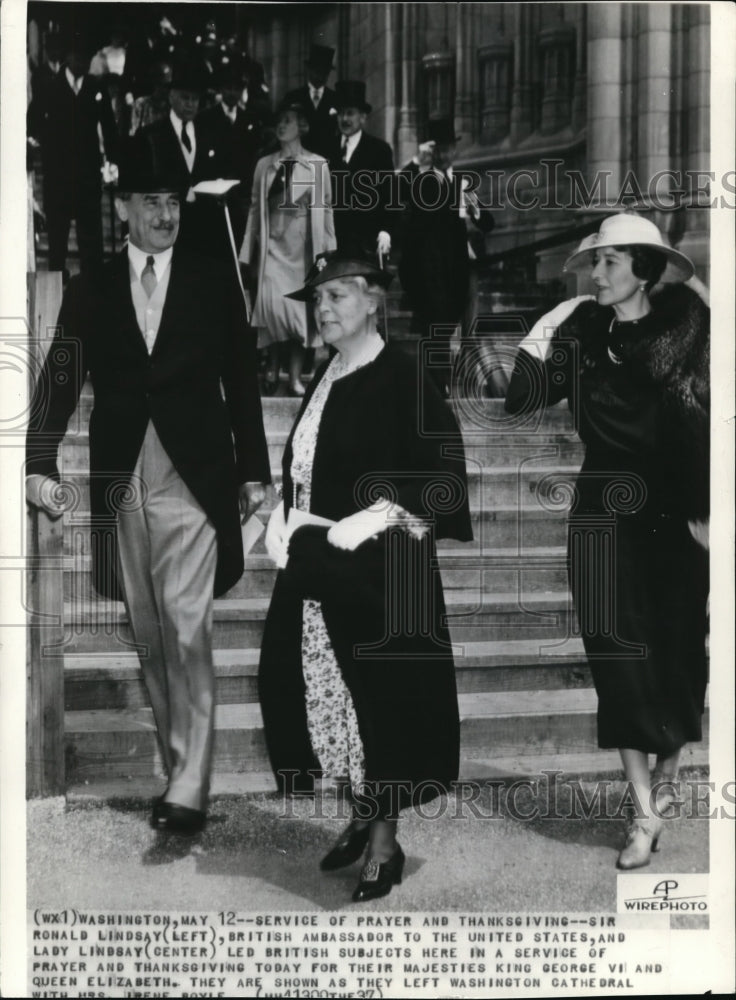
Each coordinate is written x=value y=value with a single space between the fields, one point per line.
x=613 y=357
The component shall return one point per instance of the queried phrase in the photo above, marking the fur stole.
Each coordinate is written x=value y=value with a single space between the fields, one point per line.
x=669 y=351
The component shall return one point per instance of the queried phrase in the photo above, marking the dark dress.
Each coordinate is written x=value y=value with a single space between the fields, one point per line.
x=638 y=395
x=382 y=604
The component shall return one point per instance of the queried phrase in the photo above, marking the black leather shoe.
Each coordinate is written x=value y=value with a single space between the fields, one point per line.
x=377 y=880
x=158 y=811
x=171 y=818
x=348 y=849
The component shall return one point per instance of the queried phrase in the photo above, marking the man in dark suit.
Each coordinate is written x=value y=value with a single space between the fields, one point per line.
x=318 y=102
x=63 y=118
x=441 y=233
x=176 y=433
x=235 y=133
x=362 y=168
x=181 y=148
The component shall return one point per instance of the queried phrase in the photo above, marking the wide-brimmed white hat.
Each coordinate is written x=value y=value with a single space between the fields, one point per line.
x=626 y=229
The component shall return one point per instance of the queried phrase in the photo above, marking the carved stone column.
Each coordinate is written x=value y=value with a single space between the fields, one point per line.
x=525 y=56
x=496 y=68
x=466 y=102
x=605 y=82
x=411 y=26
x=557 y=45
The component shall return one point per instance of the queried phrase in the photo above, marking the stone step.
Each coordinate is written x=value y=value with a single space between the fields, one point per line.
x=494 y=570
x=103 y=744
x=502 y=527
x=529 y=482
x=99 y=625
x=565 y=767
x=113 y=680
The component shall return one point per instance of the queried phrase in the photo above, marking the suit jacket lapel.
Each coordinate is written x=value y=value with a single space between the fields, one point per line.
x=122 y=295
x=176 y=296
x=176 y=146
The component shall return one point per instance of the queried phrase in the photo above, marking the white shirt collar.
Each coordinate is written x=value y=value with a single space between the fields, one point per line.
x=352 y=142
x=178 y=124
x=137 y=258
x=231 y=113
x=316 y=92
x=76 y=86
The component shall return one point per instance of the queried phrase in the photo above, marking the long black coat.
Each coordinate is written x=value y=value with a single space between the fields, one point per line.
x=237 y=147
x=362 y=190
x=435 y=262
x=66 y=126
x=203 y=348
x=383 y=604
x=638 y=578
x=203 y=229
x=322 y=119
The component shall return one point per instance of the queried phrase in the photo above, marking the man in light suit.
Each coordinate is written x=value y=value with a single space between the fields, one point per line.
x=362 y=168
x=177 y=426
x=318 y=101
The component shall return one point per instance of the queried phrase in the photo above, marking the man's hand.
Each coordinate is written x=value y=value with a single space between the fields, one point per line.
x=251 y=496
x=383 y=244
x=43 y=493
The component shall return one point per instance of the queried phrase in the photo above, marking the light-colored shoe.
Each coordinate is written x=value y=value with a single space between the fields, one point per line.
x=642 y=840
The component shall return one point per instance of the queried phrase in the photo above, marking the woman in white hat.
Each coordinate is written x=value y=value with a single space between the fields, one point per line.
x=632 y=363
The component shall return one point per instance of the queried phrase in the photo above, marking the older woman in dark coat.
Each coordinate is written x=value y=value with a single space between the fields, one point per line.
x=633 y=366
x=357 y=676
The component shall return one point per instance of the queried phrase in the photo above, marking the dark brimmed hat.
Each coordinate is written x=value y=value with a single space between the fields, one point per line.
x=337 y=264
x=141 y=172
x=291 y=106
x=320 y=59
x=441 y=130
x=231 y=74
x=188 y=74
x=351 y=94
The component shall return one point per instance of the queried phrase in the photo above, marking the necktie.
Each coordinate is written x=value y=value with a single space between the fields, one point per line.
x=315 y=98
x=344 y=149
x=148 y=277
x=281 y=181
x=185 y=140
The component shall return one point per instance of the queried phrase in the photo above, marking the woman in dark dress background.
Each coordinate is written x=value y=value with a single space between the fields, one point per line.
x=633 y=366
x=356 y=677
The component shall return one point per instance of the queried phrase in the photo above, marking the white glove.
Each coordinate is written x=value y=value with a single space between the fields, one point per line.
x=539 y=339
x=700 y=531
x=42 y=492
x=357 y=528
x=383 y=244
x=277 y=542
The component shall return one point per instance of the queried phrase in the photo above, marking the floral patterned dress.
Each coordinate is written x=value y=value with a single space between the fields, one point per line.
x=331 y=716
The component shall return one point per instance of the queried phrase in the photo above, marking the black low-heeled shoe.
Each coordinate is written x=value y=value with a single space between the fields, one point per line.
x=172 y=818
x=378 y=879
x=348 y=849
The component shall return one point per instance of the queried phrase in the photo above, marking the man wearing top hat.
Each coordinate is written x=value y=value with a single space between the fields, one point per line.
x=181 y=148
x=318 y=101
x=177 y=455
x=235 y=132
x=441 y=232
x=362 y=169
x=65 y=118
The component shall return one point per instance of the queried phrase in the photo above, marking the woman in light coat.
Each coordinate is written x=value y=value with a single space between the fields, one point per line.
x=289 y=224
